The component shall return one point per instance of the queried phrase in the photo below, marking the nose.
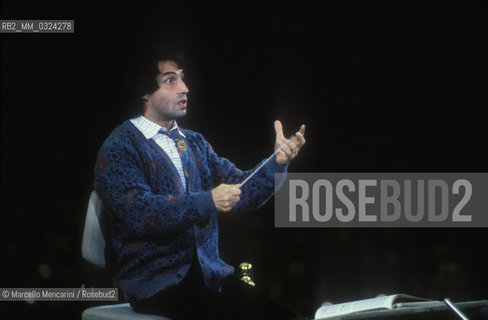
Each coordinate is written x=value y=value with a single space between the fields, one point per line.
x=182 y=87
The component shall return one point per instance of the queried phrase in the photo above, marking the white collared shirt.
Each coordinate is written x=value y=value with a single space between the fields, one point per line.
x=151 y=130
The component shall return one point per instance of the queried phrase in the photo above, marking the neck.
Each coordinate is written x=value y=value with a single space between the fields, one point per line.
x=168 y=124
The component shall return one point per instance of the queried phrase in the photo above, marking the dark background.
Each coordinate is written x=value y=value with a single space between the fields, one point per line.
x=381 y=86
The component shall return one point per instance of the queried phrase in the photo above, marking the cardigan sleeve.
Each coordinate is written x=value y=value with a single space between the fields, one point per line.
x=257 y=190
x=121 y=184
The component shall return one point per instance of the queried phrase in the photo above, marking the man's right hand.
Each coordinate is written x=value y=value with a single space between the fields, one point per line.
x=225 y=196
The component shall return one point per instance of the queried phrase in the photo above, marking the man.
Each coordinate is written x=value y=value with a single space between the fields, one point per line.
x=162 y=187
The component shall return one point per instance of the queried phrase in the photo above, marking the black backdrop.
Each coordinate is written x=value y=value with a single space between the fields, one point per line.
x=381 y=86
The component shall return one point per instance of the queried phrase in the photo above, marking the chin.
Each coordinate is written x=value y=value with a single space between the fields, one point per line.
x=180 y=114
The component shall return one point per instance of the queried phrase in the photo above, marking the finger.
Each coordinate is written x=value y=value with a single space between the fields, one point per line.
x=300 y=139
x=286 y=148
x=289 y=154
x=302 y=130
x=282 y=142
x=235 y=190
x=230 y=205
x=291 y=147
x=278 y=129
x=292 y=154
x=223 y=186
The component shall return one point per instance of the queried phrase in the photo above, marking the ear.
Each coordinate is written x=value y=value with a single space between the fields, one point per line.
x=145 y=102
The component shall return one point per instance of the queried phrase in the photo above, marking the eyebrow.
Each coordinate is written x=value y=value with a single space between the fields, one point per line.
x=170 y=72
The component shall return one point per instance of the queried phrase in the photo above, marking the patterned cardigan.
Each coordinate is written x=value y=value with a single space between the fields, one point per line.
x=155 y=224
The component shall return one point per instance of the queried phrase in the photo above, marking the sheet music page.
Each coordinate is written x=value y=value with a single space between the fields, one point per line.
x=418 y=304
x=355 y=306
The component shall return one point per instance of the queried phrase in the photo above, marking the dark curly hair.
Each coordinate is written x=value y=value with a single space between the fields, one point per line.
x=141 y=74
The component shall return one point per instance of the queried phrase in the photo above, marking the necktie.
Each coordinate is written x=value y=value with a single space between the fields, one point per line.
x=182 y=151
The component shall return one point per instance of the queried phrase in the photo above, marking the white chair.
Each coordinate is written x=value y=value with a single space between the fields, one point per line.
x=93 y=243
x=93 y=250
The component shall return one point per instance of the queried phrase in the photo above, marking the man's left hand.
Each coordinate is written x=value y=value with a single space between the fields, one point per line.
x=291 y=148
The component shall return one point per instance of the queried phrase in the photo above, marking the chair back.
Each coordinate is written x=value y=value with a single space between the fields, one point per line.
x=93 y=243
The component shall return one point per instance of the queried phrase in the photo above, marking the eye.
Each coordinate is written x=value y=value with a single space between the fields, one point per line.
x=169 y=80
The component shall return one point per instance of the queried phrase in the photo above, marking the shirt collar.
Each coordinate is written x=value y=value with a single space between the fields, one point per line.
x=150 y=129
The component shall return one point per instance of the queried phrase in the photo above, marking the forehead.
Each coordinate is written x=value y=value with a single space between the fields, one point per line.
x=168 y=66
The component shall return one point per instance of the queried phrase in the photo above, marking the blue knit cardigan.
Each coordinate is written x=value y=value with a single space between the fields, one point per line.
x=155 y=224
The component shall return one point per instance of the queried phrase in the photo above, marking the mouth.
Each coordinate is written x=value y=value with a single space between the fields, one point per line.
x=182 y=102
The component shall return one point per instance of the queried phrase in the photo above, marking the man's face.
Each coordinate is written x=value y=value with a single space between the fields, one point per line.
x=169 y=102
